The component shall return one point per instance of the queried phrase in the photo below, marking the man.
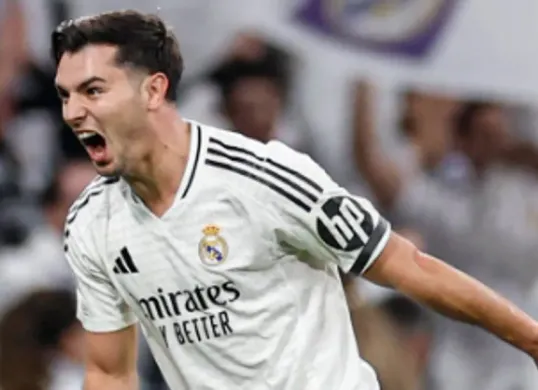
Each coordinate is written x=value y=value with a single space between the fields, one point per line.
x=225 y=249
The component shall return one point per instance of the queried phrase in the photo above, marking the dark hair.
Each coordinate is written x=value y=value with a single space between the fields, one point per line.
x=467 y=114
x=274 y=66
x=143 y=42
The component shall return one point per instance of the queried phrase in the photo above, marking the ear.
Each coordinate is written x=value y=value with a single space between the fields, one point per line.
x=154 y=90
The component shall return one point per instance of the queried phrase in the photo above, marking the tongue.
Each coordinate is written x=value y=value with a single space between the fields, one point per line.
x=99 y=154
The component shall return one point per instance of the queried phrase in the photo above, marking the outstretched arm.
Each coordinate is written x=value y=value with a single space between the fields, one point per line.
x=443 y=288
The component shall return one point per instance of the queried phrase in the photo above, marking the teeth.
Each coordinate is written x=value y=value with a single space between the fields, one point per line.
x=86 y=135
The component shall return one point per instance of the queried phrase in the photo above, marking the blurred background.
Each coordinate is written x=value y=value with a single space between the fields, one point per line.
x=427 y=107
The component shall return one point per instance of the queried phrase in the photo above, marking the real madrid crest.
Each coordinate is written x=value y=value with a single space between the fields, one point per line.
x=212 y=248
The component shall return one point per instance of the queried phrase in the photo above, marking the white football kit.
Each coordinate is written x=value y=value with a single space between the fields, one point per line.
x=237 y=285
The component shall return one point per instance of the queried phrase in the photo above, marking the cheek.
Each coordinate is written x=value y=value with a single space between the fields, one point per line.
x=114 y=116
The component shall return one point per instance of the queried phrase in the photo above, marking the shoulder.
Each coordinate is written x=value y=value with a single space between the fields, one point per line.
x=267 y=171
x=92 y=205
x=86 y=222
x=221 y=141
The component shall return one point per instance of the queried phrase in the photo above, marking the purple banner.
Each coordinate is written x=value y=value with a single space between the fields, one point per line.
x=400 y=27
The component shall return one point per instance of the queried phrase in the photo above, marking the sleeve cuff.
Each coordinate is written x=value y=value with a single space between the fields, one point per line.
x=373 y=248
x=96 y=326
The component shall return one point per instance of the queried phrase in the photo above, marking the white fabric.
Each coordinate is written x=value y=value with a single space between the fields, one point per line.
x=240 y=307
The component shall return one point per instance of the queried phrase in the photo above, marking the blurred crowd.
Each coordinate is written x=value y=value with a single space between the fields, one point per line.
x=459 y=180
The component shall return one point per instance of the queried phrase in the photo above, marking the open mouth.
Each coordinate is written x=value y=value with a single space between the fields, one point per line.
x=92 y=140
x=95 y=144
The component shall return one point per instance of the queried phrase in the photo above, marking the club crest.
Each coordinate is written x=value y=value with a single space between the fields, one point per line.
x=212 y=247
x=404 y=27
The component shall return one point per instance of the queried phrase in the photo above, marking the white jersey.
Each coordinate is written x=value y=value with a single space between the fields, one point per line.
x=237 y=285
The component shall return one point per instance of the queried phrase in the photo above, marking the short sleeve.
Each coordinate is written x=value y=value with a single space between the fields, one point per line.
x=325 y=220
x=100 y=308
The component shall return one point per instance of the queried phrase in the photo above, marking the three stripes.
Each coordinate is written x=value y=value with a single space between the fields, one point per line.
x=95 y=188
x=287 y=182
x=124 y=264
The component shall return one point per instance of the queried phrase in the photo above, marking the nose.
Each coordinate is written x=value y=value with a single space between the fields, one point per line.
x=74 y=113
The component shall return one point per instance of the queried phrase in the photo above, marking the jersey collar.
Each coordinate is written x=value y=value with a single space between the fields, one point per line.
x=188 y=176
x=192 y=162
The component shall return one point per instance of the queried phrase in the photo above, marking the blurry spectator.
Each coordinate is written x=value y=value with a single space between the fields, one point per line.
x=41 y=344
x=486 y=138
x=13 y=45
x=26 y=119
x=40 y=261
x=483 y=134
x=248 y=92
x=481 y=223
x=12 y=56
x=200 y=96
x=253 y=96
x=425 y=126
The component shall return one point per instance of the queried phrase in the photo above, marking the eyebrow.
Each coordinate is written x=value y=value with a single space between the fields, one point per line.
x=62 y=91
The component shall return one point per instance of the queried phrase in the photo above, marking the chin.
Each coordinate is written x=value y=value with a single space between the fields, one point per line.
x=107 y=170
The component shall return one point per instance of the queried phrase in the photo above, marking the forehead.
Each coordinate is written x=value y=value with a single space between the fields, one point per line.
x=92 y=60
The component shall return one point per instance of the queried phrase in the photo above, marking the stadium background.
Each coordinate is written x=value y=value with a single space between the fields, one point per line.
x=428 y=107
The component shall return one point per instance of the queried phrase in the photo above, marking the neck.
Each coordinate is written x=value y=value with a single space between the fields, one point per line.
x=158 y=177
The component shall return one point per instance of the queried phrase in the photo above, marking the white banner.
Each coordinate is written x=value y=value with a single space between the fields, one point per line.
x=475 y=45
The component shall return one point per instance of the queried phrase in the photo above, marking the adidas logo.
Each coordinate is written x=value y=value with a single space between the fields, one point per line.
x=124 y=264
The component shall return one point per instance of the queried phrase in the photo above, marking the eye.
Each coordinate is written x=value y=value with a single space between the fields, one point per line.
x=93 y=91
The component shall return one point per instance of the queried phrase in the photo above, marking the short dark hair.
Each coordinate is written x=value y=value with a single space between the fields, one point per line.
x=274 y=65
x=143 y=42
x=229 y=74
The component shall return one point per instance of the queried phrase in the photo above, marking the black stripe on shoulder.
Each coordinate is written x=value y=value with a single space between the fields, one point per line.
x=298 y=175
x=103 y=180
x=249 y=163
x=93 y=190
x=195 y=163
x=96 y=184
x=260 y=180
